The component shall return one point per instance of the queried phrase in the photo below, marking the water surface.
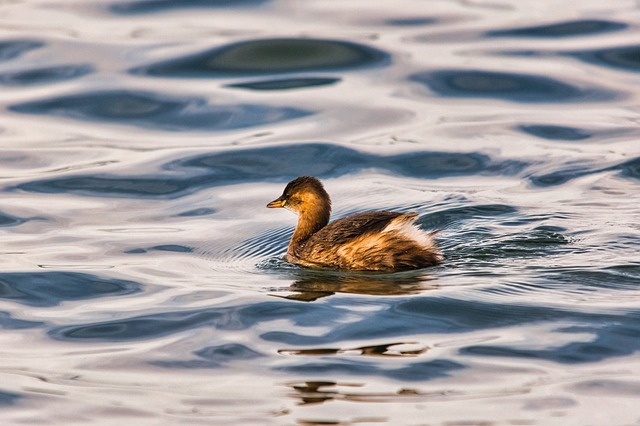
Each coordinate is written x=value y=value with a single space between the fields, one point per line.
x=143 y=279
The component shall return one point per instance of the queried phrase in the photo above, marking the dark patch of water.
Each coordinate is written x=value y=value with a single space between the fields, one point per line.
x=406 y=316
x=9 y=398
x=412 y=22
x=620 y=277
x=627 y=169
x=203 y=211
x=512 y=87
x=53 y=288
x=561 y=29
x=266 y=164
x=175 y=248
x=485 y=246
x=613 y=337
x=445 y=217
x=10 y=220
x=261 y=164
x=44 y=75
x=167 y=323
x=7 y=322
x=11 y=49
x=158 y=111
x=214 y=357
x=286 y=83
x=411 y=371
x=269 y=56
x=626 y=58
x=552 y=132
x=155 y=6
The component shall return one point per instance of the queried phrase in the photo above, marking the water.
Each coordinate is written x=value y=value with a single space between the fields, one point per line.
x=142 y=280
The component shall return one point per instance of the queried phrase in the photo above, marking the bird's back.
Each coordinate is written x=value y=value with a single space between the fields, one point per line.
x=374 y=241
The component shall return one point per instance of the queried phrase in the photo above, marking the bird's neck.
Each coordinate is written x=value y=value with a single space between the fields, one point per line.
x=310 y=221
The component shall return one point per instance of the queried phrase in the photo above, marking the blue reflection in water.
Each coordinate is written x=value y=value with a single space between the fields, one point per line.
x=7 y=322
x=214 y=357
x=175 y=248
x=269 y=56
x=260 y=164
x=508 y=86
x=167 y=323
x=10 y=220
x=158 y=111
x=626 y=169
x=286 y=83
x=44 y=75
x=625 y=58
x=8 y=398
x=410 y=371
x=561 y=29
x=552 y=132
x=11 y=49
x=53 y=288
x=154 y=6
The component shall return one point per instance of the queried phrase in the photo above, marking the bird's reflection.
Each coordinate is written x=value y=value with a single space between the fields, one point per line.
x=311 y=285
x=317 y=392
x=389 y=349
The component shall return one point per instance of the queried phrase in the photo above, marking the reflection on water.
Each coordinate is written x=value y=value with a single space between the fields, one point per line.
x=375 y=350
x=11 y=49
x=626 y=58
x=197 y=173
x=310 y=286
x=509 y=87
x=143 y=279
x=562 y=29
x=52 y=288
x=156 y=111
x=286 y=83
x=153 y=6
x=268 y=57
x=44 y=75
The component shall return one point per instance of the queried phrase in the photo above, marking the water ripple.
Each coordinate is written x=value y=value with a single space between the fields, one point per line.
x=10 y=220
x=157 y=111
x=213 y=357
x=552 y=132
x=626 y=169
x=7 y=322
x=263 y=164
x=154 y=6
x=413 y=371
x=626 y=58
x=167 y=323
x=11 y=49
x=53 y=288
x=9 y=398
x=286 y=83
x=522 y=88
x=269 y=56
x=611 y=339
x=561 y=29
x=44 y=75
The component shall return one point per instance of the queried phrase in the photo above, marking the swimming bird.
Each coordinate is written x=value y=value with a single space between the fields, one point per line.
x=371 y=241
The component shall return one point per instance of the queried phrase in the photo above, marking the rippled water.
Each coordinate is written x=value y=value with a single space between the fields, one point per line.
x=142 y=280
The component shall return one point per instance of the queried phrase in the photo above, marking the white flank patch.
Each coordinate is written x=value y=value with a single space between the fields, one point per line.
x=412 y=232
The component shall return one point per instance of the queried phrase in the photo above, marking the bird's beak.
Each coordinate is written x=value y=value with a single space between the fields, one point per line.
x=278 y=203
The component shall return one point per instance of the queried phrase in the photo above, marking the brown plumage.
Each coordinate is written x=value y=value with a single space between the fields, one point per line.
x=371 y=241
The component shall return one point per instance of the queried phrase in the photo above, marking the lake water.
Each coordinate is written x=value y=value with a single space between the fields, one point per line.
x=142 y=280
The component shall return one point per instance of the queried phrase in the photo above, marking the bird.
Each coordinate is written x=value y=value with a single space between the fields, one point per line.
x=381 y=241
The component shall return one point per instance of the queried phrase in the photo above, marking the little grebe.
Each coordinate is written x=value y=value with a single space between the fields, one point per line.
x=371 y=241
